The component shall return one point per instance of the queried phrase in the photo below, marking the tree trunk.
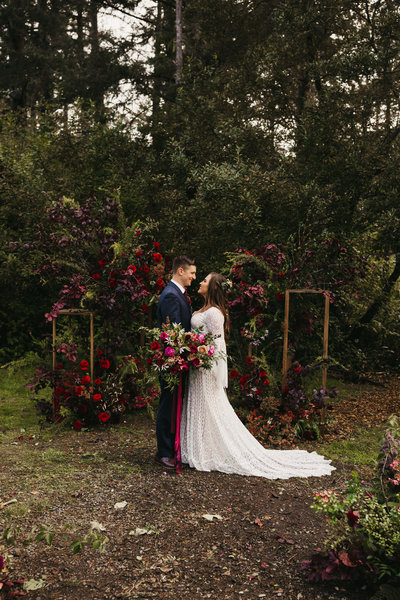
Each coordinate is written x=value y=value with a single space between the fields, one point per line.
x=178 y=42
x=378 y=303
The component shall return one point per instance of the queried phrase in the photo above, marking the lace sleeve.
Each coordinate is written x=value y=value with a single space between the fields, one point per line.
x=214 y=323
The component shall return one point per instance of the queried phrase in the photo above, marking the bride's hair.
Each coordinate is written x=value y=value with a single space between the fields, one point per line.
x=216 y=297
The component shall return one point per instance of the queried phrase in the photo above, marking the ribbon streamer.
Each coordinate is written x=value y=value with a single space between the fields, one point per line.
x=178 y=457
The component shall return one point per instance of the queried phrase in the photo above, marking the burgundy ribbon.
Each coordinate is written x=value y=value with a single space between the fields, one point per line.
x=178 y=457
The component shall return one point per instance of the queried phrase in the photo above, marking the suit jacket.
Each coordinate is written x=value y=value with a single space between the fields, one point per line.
x=173 y=304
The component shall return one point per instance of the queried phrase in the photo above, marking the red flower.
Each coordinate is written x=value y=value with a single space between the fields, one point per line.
x=78 y=390
x=104 y=363
x=96 y=397
x=84 y=365
x=233 y=374
x=123 y=254
x=137 y=361
x=59 y=391
x=112 y=283
x=139 y=253
x=77 y=425
x=280 y=297
x=243 y=380
x=60 y=366
x=266 y=382
x=103 y=417
x=262 y=374
x=96 y=276
x=157 y=257
x=249 y=360
x=85 y=379
x=352 y=517
x=155 y=345
x=160 y=283
x=145 y=269
x=156 y=245
x=160 y=362
x=102 y=263
x=195 y=362
x=145 y=307
x=132 y=268
x=99 y=352
x=138 y=233
x=97 y=381
x=150 y=361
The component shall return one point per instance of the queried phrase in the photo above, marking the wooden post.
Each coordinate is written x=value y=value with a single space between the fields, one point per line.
x=54 y=344
x=91 y=348
x=285 y=339
x=325 y=353
x=142 y=332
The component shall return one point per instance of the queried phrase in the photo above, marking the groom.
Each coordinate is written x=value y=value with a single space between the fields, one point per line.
x=172 y=304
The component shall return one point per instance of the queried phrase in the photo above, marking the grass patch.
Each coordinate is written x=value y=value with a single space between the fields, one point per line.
x=361 y=449
x=16 y=408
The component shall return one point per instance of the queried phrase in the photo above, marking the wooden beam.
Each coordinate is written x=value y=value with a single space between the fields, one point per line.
x=285 y=339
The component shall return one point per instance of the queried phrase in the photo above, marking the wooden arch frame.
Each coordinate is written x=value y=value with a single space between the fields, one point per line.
x=286 y=333
x=76 y=311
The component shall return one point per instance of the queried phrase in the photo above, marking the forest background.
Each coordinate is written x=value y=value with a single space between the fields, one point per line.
x=232 y=125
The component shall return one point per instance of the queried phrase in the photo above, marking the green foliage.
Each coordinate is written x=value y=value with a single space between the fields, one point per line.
x=363 y=523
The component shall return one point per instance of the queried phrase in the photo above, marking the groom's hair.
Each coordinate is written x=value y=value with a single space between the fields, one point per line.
x=181 y=261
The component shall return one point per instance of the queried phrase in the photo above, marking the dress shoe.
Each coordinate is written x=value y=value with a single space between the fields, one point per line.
x=166 y=462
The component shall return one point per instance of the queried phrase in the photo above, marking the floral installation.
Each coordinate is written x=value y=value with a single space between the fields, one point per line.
x=261 y=276
x=250 y=382
x=364 y=522
x=173 y=351
x=88 y=402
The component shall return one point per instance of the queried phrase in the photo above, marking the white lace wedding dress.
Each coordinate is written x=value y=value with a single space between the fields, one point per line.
x=214 y=439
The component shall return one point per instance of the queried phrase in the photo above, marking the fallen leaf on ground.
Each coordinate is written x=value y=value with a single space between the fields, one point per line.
x=211 y=517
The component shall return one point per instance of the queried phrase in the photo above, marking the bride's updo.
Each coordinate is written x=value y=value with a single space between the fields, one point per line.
x=216 y=297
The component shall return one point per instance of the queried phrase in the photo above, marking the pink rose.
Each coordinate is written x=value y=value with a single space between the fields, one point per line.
x=202 y=338
x=211 y=351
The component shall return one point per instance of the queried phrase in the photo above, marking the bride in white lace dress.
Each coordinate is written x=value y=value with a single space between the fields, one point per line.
x=213 y=438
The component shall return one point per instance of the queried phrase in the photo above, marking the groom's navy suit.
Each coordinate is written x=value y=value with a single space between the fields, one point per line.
x=174 y=305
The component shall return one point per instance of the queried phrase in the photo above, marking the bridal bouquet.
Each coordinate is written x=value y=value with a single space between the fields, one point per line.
x=173 y=351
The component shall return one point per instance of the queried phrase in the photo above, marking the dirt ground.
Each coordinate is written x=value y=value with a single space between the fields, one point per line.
x=161 y=544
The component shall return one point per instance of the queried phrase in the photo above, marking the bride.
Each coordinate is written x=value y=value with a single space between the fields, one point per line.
x=212 y=436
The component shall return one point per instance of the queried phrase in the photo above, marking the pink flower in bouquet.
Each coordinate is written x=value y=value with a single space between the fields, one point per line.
x=202 y=338
x=169 y=351
x=184 y=367
x=163 y=336
x=211 y=351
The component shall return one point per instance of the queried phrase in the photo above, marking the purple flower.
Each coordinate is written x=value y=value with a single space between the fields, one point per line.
x=169 y=351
